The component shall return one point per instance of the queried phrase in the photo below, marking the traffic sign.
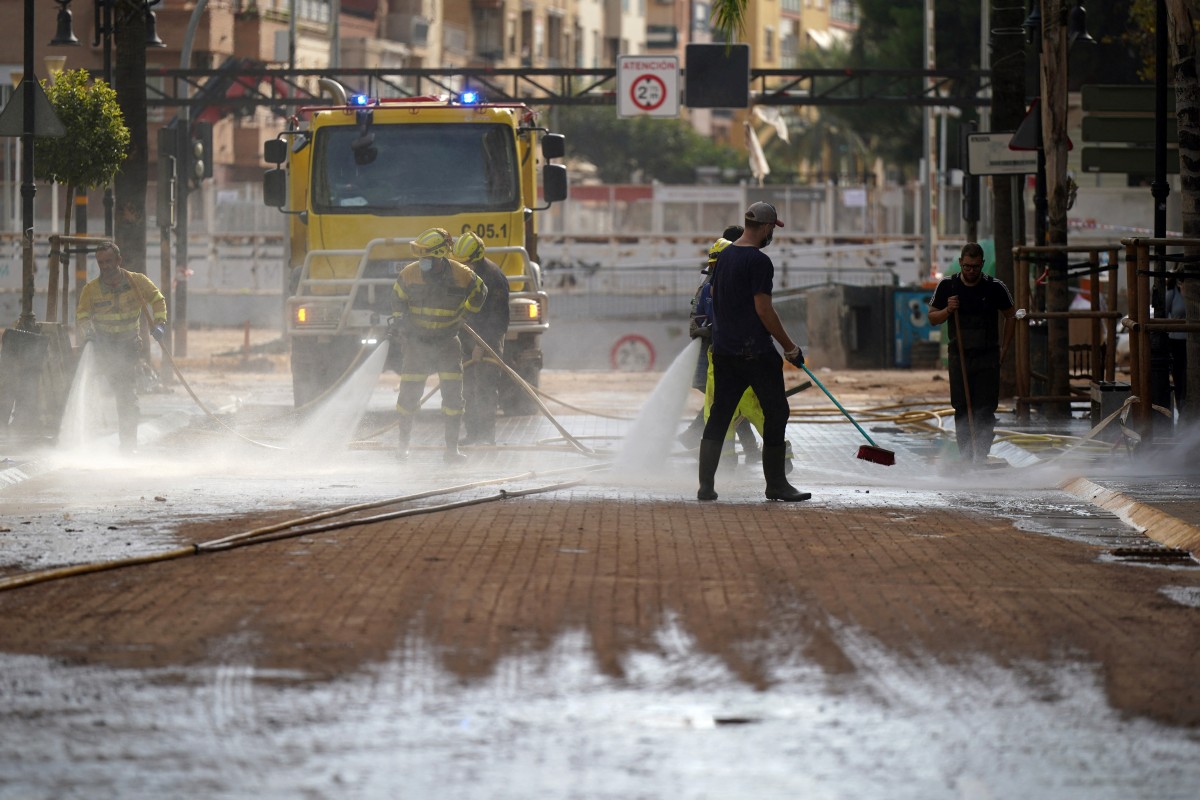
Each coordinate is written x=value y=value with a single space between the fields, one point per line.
x=1127 y=160
x=648 y=86
x=1128 y=130
x=45 y=120
x=1122 y=99
x=989 y=154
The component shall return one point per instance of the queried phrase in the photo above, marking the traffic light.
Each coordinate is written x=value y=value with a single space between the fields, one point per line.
x=200 y=152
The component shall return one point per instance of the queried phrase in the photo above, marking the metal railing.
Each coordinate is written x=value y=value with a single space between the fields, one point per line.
x=1029 y=272
x=1140 y=322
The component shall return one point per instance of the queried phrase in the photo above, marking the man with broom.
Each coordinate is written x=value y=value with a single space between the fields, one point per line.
x=976 y=302
x=745 y=327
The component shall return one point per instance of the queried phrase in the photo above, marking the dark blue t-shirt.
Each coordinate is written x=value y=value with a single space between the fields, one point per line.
x=739 y=274
x=979 y=309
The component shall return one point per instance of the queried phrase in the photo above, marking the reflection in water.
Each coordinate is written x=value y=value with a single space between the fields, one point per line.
x=548 y=725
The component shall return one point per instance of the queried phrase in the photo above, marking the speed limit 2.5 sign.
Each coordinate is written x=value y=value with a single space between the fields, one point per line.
x=648 y=86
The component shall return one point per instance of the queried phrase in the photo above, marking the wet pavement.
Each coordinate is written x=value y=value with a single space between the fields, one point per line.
x=913 y=631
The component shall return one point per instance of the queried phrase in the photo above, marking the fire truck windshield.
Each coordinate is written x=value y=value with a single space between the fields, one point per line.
x=417 y=167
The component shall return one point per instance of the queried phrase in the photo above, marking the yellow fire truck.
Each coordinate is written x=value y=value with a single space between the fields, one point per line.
x=363 y=176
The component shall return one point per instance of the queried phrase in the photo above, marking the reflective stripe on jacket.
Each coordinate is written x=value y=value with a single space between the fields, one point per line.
x=113 y=312
x=437 y=302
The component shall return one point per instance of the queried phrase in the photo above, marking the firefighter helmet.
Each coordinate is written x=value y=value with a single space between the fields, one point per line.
x=434 y=243
x=469 y=247
x=714 y=251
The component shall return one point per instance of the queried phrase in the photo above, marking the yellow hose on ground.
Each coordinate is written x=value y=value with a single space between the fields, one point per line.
x=280 y=530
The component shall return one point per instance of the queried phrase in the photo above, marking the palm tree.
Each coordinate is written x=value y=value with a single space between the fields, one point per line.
x=729 y=18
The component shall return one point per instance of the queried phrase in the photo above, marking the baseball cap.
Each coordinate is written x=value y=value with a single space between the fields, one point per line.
x=764 y=214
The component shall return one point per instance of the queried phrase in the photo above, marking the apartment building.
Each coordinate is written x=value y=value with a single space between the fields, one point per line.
x=394 y=34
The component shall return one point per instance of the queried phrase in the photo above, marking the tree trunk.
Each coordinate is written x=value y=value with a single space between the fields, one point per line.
x=129 y=77
x=70 y=208
x=1054 y=138
x=1182 y=34
x=1008 y=109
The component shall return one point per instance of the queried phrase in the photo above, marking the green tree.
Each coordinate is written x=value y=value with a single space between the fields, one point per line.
x=889 y=37
x=666 y=150
x=97 y=139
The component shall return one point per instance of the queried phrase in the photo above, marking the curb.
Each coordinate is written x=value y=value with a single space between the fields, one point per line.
x=11 y=476
x=1160 y=526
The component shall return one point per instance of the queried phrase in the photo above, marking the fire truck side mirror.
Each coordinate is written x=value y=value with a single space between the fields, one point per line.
x=275 y=151
x=275 y=188
x=554 y=145
x=554 y=183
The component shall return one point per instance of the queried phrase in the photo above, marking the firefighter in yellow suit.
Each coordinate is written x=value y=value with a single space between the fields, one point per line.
x=108 y=316
x=430 y=299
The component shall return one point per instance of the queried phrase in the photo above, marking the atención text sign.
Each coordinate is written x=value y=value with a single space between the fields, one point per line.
x=648 y=86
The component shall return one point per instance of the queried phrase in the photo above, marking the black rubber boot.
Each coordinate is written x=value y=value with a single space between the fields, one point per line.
x=966 y=445
x=778 y=487
x=452 y=454
x=745 y=435
x=405 y=428
x=710 y=458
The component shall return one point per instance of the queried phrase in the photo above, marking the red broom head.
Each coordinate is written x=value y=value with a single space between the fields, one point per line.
x=877 y=455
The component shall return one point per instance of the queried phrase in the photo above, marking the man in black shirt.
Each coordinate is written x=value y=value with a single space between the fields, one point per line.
x=745 y=324
x=979 y=301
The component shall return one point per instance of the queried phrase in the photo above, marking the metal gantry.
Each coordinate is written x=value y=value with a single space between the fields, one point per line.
x=247 y=85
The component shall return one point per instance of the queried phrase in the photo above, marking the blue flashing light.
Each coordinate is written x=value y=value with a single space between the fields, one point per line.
x=469 y=98
x=359 y=100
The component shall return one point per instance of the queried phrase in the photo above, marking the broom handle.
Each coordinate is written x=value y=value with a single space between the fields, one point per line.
x=821 y=386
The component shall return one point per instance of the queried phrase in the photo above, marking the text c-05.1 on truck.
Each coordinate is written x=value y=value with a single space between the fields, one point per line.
x=359 y=179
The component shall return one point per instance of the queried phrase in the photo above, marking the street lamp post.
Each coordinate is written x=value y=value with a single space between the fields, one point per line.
x=106 y=23
x=26 y=321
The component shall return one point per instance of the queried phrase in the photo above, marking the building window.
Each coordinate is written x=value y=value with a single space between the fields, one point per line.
x=489 y=38
x=527 y=38
x=555 y=40
x=662 y=36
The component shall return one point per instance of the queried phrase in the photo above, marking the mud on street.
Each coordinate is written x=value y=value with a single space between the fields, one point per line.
x=911 y=631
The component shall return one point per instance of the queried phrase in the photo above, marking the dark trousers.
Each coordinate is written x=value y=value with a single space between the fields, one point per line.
x=422 y=358
x=481 y=393
x=732 y=375
x=118 y=361
x=1179 y=370
x=974 y=433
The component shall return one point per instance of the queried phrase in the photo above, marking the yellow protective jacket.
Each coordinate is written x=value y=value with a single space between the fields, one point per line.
x=432 y=303
x=111 y=313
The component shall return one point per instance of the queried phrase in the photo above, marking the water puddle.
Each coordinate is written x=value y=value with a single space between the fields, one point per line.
x=546 y=724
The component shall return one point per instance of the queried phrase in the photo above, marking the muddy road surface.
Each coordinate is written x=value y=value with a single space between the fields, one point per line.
x=271 y=606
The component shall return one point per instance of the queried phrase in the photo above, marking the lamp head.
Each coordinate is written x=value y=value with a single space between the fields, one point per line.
x=63 y=35
x=152 y=39
x=1077 y=32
